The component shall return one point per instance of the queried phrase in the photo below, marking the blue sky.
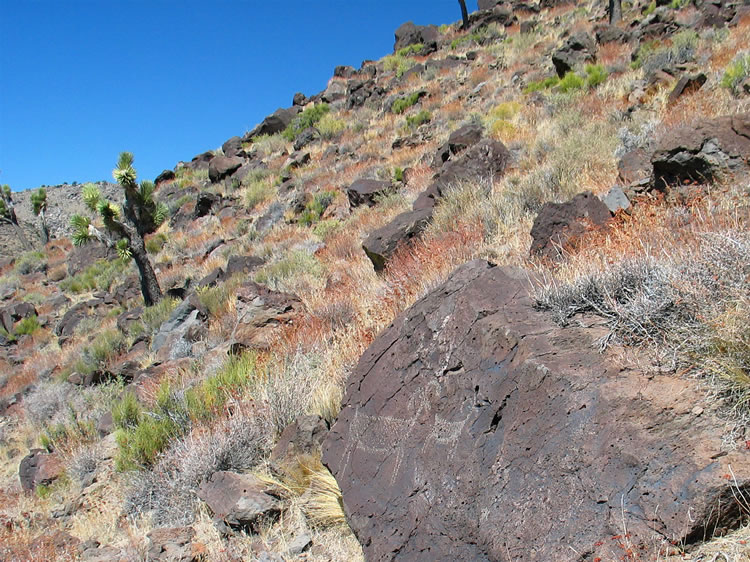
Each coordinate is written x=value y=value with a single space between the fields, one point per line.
x=81 y=81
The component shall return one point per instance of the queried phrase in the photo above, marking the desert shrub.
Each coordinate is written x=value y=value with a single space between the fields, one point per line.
x=266 y=145
x=308 y=118
x=258 y=192
x=326 y=228
x=27 y=326
x=543 y=84
x=315 y=208
x=207 y=399
x=154 y=316
x=693 y=311
x=679 y=4
x=139 y=445
x=167 y=492
x=99 y=276
x=329 y=126
x=410 y=50
x=44 y=402
x=155 y=243
x=126 y=412
x=502 y=130
x=570 y=82
x=296 y=262
x=414 y=121
x=404 y=103
x=653 y=55
x=595 y=75
x=398 y=63
x=83 y=464
x=398 y=173
x=736 y=72
x=505 y=110
x=30 y=262
x=650 y=9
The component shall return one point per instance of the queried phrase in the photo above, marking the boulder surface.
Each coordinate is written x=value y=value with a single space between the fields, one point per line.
x=474 y=428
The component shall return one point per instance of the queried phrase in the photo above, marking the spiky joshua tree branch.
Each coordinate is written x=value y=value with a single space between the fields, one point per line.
x=124 y=229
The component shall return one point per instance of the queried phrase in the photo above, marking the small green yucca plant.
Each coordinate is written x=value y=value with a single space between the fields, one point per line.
x=126 y=227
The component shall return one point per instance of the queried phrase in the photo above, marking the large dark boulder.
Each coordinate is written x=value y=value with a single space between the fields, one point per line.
x=367 y=192
x=222 y=167
x=39 y=468
x=703 y=150
x=580 y=47
x=233 y=147
x=558 y=225
x=274 y=123
x=164 y=177
x=382 y=243
x=474 y=428
x=82 y=257
x=410 y=34
x=458 y=141
x=201 y=161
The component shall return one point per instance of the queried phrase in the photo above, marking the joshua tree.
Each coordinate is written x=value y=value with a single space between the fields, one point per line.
x=125 y=230
x=8 y=215
x=464 y=14
x=39 y=204
x=615 y=11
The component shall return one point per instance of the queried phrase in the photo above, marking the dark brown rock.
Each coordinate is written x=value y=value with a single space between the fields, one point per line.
x=458 y=141
x=82 y=257
x=303 y=436
x=164 y=177
x=241 y=265
x=172 y=544
x=558 y=225
x=580 y=47
x=701 y=151
x=367 y=192
x=382 y=243
x=222 y=167
x=686 y=85
x=233 y=147
x=261 y=313
x=634 y=166
x=474 y=427
x=410 y=34
x=240 y=501
x=274 y=123
x=75 y=314
x=201 y=161
x=39 y=468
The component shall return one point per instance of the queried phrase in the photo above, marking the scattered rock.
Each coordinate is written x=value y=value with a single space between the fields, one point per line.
x=172 y=544
x=39 y=468
x=458 y=141
x=701 y=151
x=307 y=136
x=240 y=501
x=580 y=47
x=83 y=257
x=611 y=34
x=274 y=123
x=303 y=436
x=382 y=243
x=616 y=200
x=687 y=85
x=367 y=192
x=165 y=176
x=299 y=99
x=473 y=422
x=297 y=159
x=176 y=336
x=558 y=225
x=261 y=313
x=635 y=167
x=222 y=167
x=410 y=34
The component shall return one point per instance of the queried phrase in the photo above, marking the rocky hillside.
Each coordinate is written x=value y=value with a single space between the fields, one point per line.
x=485 y=298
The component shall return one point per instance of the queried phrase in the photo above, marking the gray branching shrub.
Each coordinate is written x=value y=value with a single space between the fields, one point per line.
x=168 y=490
x=696 y=310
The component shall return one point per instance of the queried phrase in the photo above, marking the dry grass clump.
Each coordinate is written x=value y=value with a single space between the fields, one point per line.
x=692 y=307
x=167 y=491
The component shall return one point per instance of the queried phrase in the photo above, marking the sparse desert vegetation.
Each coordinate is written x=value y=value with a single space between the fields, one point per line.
x=224 y=349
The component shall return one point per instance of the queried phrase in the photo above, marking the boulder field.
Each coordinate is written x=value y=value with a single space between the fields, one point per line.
x=474 y=428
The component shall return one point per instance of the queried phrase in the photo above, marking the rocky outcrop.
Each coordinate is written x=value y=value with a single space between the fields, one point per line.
x=367 y=192
x=474 y=428
x=485 y=160
x=579 y=48
x=458 y=141
x=410 y=34
x=702 y=151
x=274 y=123
x=222 y=167
x=239 y=501
x=558 y=225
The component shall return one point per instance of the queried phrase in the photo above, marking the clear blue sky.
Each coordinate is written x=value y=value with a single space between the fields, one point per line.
x=81 y=81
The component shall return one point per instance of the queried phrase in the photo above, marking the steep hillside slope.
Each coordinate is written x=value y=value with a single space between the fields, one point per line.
x=608 y=163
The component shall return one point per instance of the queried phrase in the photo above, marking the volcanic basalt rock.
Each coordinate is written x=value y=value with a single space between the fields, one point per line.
x=474 y=428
